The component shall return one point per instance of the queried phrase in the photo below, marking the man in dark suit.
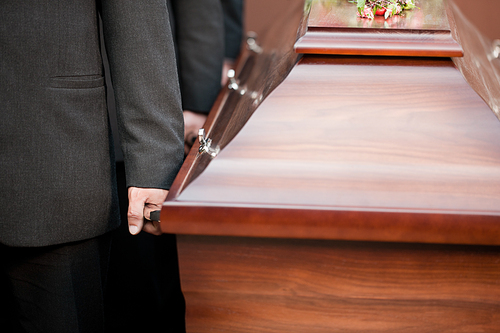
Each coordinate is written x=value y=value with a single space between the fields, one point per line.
x=58 y=196
x=199 y=35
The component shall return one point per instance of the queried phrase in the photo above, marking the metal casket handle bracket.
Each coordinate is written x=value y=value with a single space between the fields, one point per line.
x=206 y=144
x=233 y=83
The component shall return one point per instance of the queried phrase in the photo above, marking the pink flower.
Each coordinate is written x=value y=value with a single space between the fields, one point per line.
x=367 y=13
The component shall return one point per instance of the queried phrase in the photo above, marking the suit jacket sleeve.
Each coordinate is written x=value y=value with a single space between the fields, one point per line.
x=143 y=70
x=199 y=34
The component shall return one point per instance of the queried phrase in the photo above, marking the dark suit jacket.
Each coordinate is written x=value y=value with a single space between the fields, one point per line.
x=198 y=27
x=56 y=164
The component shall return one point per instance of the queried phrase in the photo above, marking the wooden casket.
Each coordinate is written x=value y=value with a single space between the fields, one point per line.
x=348 y=179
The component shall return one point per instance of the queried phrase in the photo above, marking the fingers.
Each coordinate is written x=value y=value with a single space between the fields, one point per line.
x=141 y=202
x=152 y=227
x=135 y=222
x=135 y=213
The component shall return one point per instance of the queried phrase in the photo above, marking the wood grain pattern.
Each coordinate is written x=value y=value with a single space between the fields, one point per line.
x=268 y=285
x=257 y=74
x=368 y=136
x=348 y=224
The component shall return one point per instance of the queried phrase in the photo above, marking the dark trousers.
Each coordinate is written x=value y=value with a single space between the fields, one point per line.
x=54 y=288
x=144 y=292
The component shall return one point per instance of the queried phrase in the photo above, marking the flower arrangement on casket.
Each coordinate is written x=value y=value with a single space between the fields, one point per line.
x=387 y=8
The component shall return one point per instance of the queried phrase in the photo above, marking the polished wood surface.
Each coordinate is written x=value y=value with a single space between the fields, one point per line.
x=282 y=285
x=389 y=149
x=258 y=71
x=359 y=195
x=334 y=28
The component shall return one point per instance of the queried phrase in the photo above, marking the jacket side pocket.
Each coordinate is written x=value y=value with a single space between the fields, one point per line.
x=77 y=82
